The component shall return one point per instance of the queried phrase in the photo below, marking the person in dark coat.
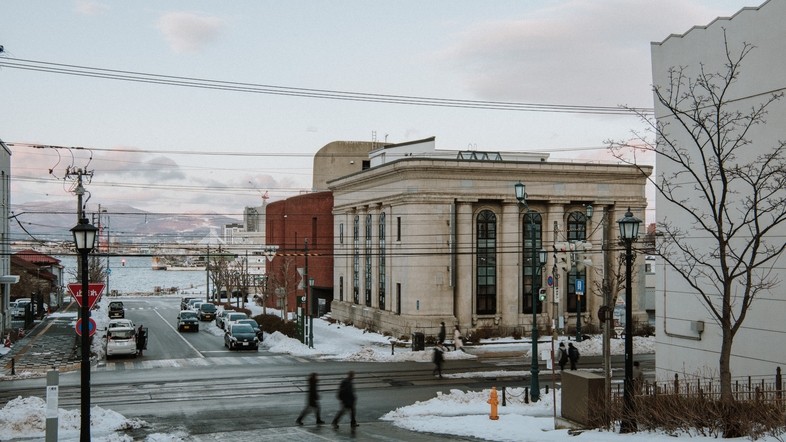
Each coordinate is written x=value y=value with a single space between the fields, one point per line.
x=562 y=356
x=313 y=398
x=442 y=333
x=439 y=357
x=573 y=355
x=346 y=394
x=141 y=340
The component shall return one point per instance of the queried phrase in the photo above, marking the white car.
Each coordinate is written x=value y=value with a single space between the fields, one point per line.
x=115 y=323
x=120 y=341
x=232 y=317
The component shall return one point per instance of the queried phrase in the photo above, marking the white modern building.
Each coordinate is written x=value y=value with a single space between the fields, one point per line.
x=6 y=279
x=688 y=335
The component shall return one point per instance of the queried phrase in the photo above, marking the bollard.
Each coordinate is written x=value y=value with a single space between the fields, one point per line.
x=547 y=388
x=392 y=347
x=13 y=366
x=504 y=401
x=526 y=395
x=52 y=386
x=493 y=402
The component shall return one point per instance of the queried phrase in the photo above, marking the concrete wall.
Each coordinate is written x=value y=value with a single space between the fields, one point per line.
x=759 y=346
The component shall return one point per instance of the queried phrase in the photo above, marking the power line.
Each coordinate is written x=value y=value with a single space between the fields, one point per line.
x=201 y=83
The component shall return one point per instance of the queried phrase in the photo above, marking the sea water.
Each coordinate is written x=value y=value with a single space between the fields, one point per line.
x=135 y=274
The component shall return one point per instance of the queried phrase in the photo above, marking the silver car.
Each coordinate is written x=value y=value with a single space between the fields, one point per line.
x=120 y=341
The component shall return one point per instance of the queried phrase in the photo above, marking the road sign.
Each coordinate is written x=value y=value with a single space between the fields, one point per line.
x=551 y=281
x=91 y=326
x=93 y=293
x=579 y=287
x=108 y=271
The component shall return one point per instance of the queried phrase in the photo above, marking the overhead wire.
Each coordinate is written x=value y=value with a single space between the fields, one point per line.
x=202 y=83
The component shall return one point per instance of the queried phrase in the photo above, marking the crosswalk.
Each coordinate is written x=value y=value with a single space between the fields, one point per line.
x=201 y=362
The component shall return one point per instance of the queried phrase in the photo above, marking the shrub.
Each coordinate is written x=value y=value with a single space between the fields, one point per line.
x=272 y=323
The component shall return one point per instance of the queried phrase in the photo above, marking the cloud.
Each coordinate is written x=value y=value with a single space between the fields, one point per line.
x=580 y=52
x=90 y=8
x=187 y=32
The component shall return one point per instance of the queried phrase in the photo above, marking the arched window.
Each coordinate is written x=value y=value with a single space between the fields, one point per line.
x=356 y=261
x=382 y=261
x=577 y=231
x=486 y=264
x=368 y=260
x=531 y=284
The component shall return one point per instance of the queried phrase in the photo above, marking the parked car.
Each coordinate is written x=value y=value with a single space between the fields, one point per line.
x=120 y=341
x=254 y=325
x=240 y=336
x=116 y=310
x=191 y=303
x=19 y=311
x=232 y=317
x=187 y=320
x=120 y=323
x=184 y=302
x=195 y=306
x=207 y=311
x=220 y=317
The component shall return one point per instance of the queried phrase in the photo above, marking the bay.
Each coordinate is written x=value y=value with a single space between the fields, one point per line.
x=135 y=274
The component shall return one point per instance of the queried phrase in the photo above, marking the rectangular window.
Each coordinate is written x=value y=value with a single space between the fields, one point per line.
x=340 y=288
x=398 y=298
x=314 y=231
x=398 y=228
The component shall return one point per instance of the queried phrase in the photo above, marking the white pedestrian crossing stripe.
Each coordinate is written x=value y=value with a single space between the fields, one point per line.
x=202 y=362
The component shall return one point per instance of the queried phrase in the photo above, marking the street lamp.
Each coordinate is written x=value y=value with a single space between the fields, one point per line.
x=84 y=238
x=629 y=232
x=538 y=259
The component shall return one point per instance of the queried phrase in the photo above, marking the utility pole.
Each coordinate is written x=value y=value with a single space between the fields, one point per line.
x=79 y=190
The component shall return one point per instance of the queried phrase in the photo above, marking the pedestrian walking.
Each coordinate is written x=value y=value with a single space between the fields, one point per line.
x=346 y=394
x=638 y=378
x=439 y=357
x=458 y=341
x=313 y=398
x=573 y=355
x=562 y=356
x=442 y=333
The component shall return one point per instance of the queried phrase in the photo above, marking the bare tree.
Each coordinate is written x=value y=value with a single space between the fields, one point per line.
x=733 y=198
x=283 y=280
x=217 y=269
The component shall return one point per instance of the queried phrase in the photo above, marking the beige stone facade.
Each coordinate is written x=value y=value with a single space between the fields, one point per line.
x=412 y=246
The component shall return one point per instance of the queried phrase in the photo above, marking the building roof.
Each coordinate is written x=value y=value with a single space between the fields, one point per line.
x=37 y=258
x=31 y=268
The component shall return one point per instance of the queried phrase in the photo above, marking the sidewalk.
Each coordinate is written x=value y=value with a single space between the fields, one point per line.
x=50 y=343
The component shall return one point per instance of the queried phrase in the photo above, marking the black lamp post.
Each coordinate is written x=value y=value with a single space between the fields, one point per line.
x=629 y=232
x=579 y=337
x=84 y=238
x=537 y=259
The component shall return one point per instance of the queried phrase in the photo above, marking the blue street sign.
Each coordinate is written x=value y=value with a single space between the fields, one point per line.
x=108 y=271
x=551 y=281
x=579 y=286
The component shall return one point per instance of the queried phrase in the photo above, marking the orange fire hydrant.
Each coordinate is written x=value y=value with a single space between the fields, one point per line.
x=494 y=402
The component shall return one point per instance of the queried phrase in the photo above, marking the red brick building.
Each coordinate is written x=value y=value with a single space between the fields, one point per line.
x=292 y=223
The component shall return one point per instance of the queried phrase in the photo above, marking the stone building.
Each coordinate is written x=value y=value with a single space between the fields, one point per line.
x=427 y=235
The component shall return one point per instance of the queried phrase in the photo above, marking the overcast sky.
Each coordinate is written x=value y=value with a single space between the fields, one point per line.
x=149 y=142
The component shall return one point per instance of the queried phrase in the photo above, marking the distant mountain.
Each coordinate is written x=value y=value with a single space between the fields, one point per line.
x=47 y=221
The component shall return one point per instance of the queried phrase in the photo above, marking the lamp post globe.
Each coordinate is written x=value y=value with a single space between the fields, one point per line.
x=84 y=240
x=629 y=232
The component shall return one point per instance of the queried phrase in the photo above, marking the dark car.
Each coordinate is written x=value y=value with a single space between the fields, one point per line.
x=187 y=320
x=254 y=325
x=116 y=310
x=240 y=336
x=184 y=302
x=220 y=317
x=207 y=311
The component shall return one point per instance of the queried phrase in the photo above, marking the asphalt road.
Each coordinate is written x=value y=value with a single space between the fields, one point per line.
x=256 y=395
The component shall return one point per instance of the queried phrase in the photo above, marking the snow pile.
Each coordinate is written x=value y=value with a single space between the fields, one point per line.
x=25 y=417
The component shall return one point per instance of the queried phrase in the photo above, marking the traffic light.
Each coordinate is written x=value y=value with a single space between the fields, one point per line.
x=583 y=258
x=564 y=251
x=542 y=294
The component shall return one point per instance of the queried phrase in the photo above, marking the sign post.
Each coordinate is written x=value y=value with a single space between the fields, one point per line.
x=94 y=291
x=579 y=294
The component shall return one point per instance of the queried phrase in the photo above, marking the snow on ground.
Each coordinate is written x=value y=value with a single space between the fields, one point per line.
x=457 y=412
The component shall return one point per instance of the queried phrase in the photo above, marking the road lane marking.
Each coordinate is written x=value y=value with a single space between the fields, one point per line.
x=180 y=335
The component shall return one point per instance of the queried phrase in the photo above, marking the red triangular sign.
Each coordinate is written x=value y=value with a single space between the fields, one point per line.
x=94 y=291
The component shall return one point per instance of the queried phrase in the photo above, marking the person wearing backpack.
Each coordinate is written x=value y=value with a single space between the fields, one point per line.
x=562 y=356
x=573 y=355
